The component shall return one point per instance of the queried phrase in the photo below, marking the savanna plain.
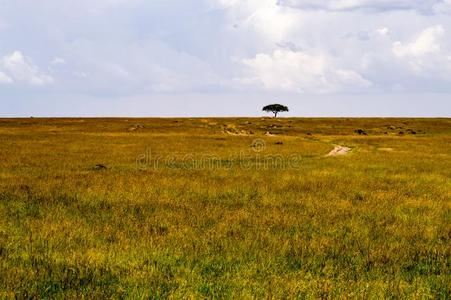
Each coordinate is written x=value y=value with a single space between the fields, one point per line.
x=225 y=208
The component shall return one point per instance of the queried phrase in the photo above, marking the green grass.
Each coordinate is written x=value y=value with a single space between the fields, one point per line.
x=206 y=215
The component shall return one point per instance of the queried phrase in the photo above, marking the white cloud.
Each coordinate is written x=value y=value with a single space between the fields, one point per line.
x=5 y=79
x=427 y=42
x=204 y=45
x=443 y=7
x=265 y=17
x=22 y=69
x=383 y=31
x=428 y=54
x=58 y=61
x=291 y=71
x=369 y=5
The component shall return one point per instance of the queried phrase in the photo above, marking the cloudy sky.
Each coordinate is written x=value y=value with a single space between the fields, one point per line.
x=225 y=57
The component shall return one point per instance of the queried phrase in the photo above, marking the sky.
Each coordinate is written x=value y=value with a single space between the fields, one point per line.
x=225 y=57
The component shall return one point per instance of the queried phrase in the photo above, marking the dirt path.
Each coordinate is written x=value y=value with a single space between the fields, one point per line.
x=339 y=150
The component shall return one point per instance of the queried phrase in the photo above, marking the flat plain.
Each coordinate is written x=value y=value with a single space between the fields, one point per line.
x=225 y=208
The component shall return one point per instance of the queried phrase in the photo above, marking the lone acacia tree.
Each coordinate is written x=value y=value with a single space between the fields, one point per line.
x=275 y=109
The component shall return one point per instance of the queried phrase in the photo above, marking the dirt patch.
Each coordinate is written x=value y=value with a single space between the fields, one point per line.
x=270 y=134
x=339 y=150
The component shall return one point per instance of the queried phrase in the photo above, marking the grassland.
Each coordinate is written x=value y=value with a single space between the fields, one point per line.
x=225 y=208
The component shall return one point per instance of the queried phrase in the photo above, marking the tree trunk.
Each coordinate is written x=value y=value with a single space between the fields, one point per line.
x=275 y=114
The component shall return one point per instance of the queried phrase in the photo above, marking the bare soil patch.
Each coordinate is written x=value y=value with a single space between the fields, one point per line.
x=339 y=150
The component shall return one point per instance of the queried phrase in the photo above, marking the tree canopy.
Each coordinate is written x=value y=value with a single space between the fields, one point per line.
x=275 y=109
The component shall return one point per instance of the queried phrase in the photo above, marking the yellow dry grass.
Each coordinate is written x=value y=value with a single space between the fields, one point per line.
x=179 y=208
